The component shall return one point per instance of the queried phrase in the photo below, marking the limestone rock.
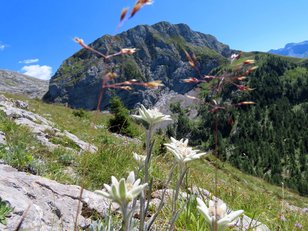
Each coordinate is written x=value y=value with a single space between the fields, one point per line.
x=52 y=206
x=42 y=128
x=2 y=138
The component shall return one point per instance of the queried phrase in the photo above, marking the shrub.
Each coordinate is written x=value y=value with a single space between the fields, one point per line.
x=121 y=122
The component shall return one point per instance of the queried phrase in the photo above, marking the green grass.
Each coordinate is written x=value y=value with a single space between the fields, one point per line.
x=5 y=210
x=258 y=198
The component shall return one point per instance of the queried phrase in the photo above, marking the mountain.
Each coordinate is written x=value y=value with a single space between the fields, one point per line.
x=299 y=50
x=16 y=83
x=160 y=56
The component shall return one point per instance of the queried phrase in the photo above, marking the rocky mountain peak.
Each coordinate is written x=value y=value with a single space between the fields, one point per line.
x=160 y=56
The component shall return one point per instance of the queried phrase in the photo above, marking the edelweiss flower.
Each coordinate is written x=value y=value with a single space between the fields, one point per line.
x=216 y=215
x=123 y=191
x=182 y=152
x=151 y=116
x=139 y=158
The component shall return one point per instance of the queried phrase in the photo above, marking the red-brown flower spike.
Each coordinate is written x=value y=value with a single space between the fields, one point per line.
x=191 y=80
x=81 y=42
x=127 y=88
x=209 y=77
x=136 y=8
x=249 y=61
x=128 y=51
x=145 y=2
x=246 y=103
x=153 y=84
x=240 y=78
x=123 y=14
x=190 y=59
x=217 y=108
x=244 y=88
x=110 y=75
x=191 y=97
x=127 y=83
x=252 y=69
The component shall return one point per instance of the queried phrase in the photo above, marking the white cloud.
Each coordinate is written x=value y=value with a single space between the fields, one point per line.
x=2 y=46
x=28 y=61
x=38 y=71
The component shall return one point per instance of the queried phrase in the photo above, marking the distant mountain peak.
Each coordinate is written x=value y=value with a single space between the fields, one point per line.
x=298 y=50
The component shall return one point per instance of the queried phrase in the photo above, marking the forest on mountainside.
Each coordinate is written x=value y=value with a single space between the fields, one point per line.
x=268 y=139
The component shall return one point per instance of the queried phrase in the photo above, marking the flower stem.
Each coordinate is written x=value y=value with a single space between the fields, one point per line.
x=126 y=218
x=176 y=195
x=147 y=163
x=216 y=169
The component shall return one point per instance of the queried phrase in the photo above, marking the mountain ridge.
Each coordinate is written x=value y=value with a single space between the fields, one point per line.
x=298 y=50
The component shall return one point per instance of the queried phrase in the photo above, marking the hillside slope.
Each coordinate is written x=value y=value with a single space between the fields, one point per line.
x=278 y=208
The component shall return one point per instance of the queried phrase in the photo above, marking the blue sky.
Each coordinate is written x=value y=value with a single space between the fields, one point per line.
x=36 y=36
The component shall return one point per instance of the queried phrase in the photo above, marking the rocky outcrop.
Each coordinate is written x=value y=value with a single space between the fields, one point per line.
x=19 y=84
x=160 y=56
x=43 y=129
x=43 y=205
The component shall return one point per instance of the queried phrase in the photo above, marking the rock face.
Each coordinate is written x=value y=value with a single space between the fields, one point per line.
x=160 y=56
x=45 y=204
x=298 y=50
x=43 y=129
x=16 y=83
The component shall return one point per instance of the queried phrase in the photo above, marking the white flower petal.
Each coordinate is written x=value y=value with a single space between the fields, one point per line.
x=104 y=194
x=107 y=187
x=137 y=182
x=131 y=178
x=233 y=215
